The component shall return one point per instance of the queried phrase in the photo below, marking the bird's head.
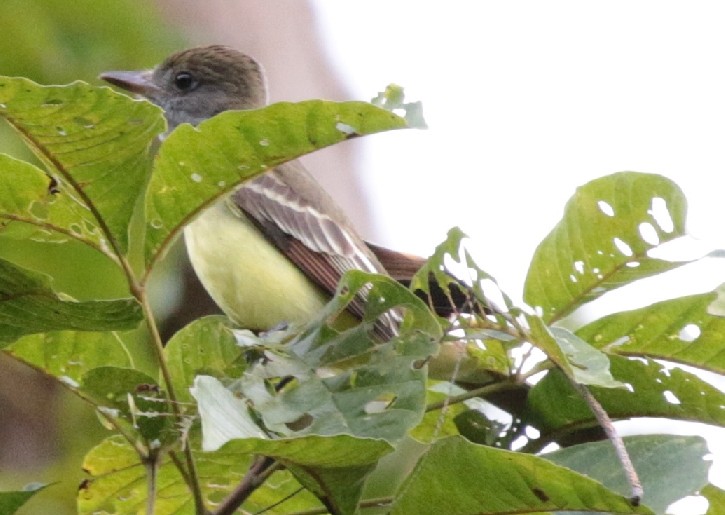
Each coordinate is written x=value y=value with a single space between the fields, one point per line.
x=198 y=83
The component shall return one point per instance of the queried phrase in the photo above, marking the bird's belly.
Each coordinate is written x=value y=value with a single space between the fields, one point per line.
x=251 y=281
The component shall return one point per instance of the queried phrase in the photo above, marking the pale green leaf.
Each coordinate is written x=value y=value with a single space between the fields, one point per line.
x=443 y=422
x=602 y=241
x=683 y=330
x=68 y=355
x=589 y=365
x=204 y=347
x=369 y=388
x=224 y=416
x=95 y=143
x=456 y=476
x=196 y=165
x=28 y=195
x=393 y=99
x=132 y=398
x=28 y=305
x=670 y=467
x=652 y=390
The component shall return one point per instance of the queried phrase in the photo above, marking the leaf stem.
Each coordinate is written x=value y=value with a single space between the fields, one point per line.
x=478 y=392
x=619 y=447
x=151 y=468
x=193 y=479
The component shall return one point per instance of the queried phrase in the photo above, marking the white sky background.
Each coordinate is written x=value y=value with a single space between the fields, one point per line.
x=527 y=100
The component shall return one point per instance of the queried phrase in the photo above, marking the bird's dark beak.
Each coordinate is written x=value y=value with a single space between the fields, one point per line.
x=138 y=82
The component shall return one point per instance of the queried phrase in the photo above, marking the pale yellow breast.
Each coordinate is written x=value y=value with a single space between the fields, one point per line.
x=251 y=281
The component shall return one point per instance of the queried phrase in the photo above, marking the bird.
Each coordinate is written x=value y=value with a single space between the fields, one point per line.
x=271 y=252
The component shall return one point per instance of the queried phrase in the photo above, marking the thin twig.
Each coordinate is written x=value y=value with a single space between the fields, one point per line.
x=151 y=468
x=611 y=432
x=478 y=392
x=262 y=467
x=180 y=467
x=140 y=294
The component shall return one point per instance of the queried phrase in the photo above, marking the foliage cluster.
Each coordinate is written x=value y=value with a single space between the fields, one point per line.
x=316 y=420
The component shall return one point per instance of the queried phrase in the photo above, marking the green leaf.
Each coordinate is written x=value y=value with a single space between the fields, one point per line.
x=590 y=366
x=575 y=357
x=132 y=396
x=224 y=416
x=440 y=423
x=95 y=143
x=370 y=389
x=117 y=482
x=670 y=467
x=328 y=428
x=316 y=451
x=196 y=165
x=340 y=488
x=10 y=502
x=687 y=330
x=204 y=347
x=601 y=243
x=456 y=476
x=652 y=390
x=483 y=284
x=393 y=99
x=29 y=196
x=716 y=498
x=28 y=305
x=475 y=353
x=68 y=355
x=332 y=467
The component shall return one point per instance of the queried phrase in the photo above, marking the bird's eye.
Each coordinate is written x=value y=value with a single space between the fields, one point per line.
x=184 y=81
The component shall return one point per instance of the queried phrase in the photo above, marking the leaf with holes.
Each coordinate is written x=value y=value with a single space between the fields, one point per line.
x=609 y=226
x=132 y=398
x=652 y=390
x=197 y=165
x=688 y=330
x=670 y=467
x=95 y=144
x=28 y=196
x=371 y=389
x=332 y=467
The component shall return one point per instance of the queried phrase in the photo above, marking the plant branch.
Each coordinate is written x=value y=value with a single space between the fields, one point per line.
x=262 y=467
x=193 y=480
x=151 y=469
x=611 y=432
x=478 y=392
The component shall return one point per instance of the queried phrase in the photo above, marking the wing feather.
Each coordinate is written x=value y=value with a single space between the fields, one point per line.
x=305 y=224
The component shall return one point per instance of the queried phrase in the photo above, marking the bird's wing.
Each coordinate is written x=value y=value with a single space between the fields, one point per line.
x=306 y=225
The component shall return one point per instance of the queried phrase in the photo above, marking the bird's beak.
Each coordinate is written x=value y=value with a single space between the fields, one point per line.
x=138 y=82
